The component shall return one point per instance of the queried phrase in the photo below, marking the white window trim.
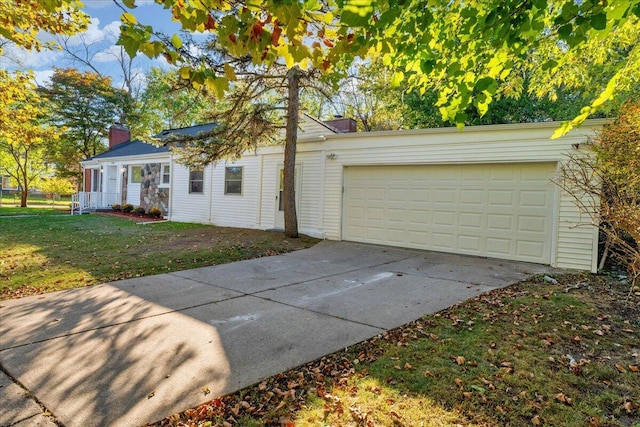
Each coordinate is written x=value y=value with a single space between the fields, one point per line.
x=190 y=180
x=130 y=179
x=163 y=184
x=234 y=180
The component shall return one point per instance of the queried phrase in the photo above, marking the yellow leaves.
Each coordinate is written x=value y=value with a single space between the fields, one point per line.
x=21 y=22
x=128 y=19
x=176 y=41
x=397 y=78
x=229 y=72
x=185 y=73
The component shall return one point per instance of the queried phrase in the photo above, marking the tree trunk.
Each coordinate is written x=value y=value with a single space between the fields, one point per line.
x=291 y=139
x=24 y=193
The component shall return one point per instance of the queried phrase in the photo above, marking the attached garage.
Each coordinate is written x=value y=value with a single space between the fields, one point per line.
x=494 y=210
x=486 y=191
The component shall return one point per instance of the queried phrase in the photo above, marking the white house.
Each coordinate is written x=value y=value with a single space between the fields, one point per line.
x=485 y=190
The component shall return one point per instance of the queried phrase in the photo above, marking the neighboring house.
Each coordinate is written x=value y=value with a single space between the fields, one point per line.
x=8 y=184
x=484 y=191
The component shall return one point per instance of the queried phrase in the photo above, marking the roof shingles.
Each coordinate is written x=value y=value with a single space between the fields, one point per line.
x=138 y=148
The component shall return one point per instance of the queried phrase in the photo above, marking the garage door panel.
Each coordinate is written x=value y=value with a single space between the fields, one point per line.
x=533 y=198
x=444 y=195
x=470 y=243
x=470 y=220
x=472 y=197
x=498 y=247
x=529 y=249
x=442 y=241
x=493 y=210
x=499 y=222
x=501 y=198
x=443 y=218
x=528 y=224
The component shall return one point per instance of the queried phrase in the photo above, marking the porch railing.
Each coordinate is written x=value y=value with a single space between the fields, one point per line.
x=87 y=201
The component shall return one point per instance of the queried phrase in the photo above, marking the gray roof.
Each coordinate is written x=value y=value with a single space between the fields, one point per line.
x=137 y=147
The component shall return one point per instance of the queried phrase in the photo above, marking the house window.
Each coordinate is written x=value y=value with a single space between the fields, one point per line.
x=135 y=174
x=96 y=179
x=233 y=180
x=166 y=174
x=196 y=181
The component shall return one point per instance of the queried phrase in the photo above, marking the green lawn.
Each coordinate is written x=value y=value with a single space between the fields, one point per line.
x=51 y=252
x=9 y=200
x=534 y=354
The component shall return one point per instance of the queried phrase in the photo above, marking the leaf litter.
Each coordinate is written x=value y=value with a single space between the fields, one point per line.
x=536 y=353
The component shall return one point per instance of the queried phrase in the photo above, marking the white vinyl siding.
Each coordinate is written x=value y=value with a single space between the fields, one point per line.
x=185 y=206
x=310 y=203
x=237 y=210
x=269 y=181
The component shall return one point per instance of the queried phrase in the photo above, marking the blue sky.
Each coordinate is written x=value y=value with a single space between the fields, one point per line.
x=102 y=35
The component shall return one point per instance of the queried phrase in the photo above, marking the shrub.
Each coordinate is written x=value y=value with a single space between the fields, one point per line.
x=56 y=187
x=155 y=212
x=139 y=210
x=116 y=207
x=606 y=187
x=127 y=207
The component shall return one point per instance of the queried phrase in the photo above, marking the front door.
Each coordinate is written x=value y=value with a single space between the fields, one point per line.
x=111 y=188
x=279 y=220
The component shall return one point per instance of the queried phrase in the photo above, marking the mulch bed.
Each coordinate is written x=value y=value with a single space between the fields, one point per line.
x=133 y=216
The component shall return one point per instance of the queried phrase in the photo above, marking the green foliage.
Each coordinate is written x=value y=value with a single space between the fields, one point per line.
x=169 y=102
x=83 y=106
x=25 y=135
x=57 y=187
x=421 y=110
x=369 y=97
x=469 y=52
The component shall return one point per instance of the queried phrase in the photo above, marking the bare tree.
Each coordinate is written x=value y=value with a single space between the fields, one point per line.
x=605 y=185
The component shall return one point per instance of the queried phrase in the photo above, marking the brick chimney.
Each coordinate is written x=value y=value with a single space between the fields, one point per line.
x=342 y=124
x=118 y=134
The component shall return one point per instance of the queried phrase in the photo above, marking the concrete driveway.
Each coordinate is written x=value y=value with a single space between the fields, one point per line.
x=134 y=351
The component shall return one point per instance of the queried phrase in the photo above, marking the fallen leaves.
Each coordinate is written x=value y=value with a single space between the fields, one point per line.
x=620 y=368
x=563 y=398
x=515 y=366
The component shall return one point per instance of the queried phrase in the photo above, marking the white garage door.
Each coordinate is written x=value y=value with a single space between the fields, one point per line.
x=494 y=210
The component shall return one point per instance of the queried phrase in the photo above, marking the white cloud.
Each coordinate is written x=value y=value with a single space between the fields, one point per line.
x=43 y=77
x=29 y=59
x=93 y=34
x=110 y=54
x=112 y=30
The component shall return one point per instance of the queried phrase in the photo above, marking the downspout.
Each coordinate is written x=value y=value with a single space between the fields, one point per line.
x=211 y=166
x=260 y=182
x=172 y=172
x=323 y=168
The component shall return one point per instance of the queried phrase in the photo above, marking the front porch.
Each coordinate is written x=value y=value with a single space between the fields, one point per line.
x=88 y=201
